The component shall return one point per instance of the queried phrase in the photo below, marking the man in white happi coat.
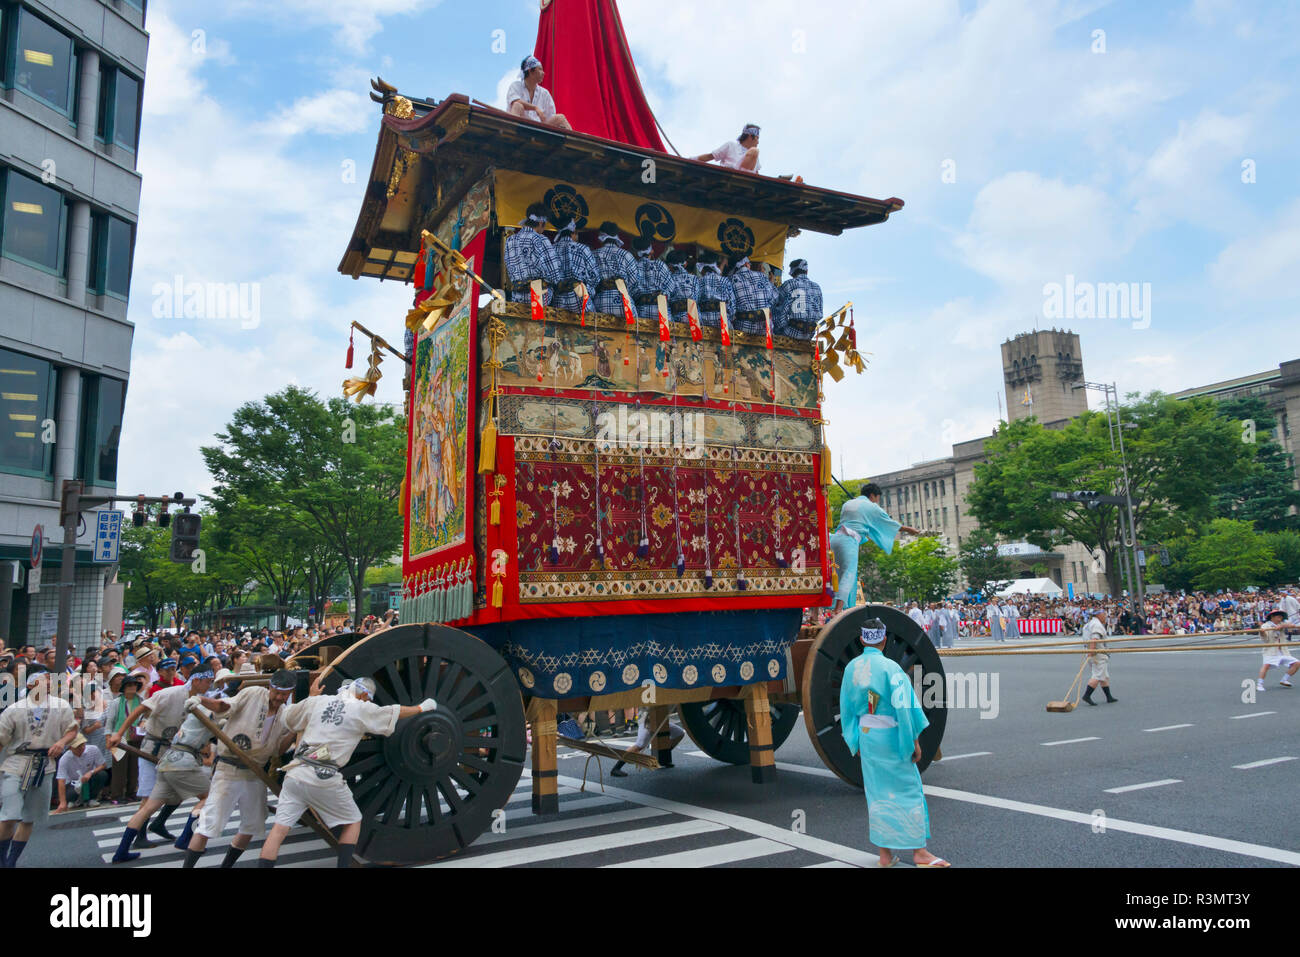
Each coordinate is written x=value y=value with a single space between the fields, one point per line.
x=165 y=712
x=253 y=720
x=994 y=615
x=33 y=733
x=178 y=776
x=1095 y=633
x=1277 y=654
x=331 y=727
x=1291 y=605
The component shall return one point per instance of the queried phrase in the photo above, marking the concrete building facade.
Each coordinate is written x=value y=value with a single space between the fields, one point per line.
x=71 y=84
x=1040 y=370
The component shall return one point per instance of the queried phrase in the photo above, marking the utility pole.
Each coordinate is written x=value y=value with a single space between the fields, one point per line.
x=71 y=505
x=1138 y=589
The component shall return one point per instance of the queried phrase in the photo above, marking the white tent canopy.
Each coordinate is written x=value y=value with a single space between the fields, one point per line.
x=1032 y=586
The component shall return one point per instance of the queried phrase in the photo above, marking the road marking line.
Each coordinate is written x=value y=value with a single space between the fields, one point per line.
x=696 y=754
x=1169 y=727
x=957 y=757
x=1076 y=817
x=1052 y=744
x=782 y=835
x=1256 y=714
x=708 y=856
x=583 y=845
x=571 y=824
x=1130 y=827
x=1142 y=787
x=829 y=864
x=1260 y=764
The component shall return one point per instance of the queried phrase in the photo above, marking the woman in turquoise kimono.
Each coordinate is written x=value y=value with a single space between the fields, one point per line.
x=861 y=518
x=881 y=720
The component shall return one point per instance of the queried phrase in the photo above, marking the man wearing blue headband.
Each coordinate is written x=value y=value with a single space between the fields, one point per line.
x=881 y=720
x=166 y=712
x=529 y=99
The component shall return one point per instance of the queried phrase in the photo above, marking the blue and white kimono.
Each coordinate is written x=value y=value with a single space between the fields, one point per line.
x=880 y=719
x=859 y=518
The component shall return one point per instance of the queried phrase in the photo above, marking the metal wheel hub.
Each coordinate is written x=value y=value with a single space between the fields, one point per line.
x=426 y=748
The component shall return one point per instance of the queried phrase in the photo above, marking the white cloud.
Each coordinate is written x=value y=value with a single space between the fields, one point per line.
x=331 y=112
x=1027 y=229
x=1265 y=265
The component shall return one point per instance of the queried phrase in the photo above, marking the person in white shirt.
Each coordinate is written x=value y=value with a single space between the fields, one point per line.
x=1095 y=632
x=740 y=153
x=1276 y=653
x=529 y=99
x=33 y=732
x=83 y=772
x=330 y=728
x=1291 y=605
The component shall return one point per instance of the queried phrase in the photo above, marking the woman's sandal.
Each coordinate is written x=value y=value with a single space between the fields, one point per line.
x=893 y=859
x=937 y=862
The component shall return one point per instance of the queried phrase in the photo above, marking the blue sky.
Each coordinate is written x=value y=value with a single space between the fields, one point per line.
x=1122 y=165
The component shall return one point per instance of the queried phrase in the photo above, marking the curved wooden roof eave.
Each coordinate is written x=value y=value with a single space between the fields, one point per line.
x=510 y=142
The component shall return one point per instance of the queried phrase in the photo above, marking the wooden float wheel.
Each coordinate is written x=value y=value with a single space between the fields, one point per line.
x=720 y=728
x=309 y=658
x=838 y=644
x=430 y=788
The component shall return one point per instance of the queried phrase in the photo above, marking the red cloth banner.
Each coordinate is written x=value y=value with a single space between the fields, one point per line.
x=590 y=73
x=1039 y=626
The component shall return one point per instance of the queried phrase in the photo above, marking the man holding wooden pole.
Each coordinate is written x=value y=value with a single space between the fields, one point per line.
x=255 y=724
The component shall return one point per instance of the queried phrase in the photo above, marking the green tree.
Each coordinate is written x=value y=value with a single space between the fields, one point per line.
x=268 y=544
x=1286 y=549
x=142 y=568
x=1177 y=575
x=1179 y=453
x=1230 y=554
x=984 y=569
x=1265 y=495
x=923 y=570
x=293 y=453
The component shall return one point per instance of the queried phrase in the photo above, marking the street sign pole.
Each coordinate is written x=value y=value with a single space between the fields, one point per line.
x=71 y=516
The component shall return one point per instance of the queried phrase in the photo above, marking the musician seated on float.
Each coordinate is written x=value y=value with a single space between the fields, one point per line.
x=530 y=257
x=529 y=99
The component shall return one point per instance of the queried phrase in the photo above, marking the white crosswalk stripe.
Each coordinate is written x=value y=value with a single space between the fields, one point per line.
x=635 y=832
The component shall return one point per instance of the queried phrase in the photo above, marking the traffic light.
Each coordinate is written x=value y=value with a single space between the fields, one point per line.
x=1164 y=557
x=185 y=537
x=138 y=516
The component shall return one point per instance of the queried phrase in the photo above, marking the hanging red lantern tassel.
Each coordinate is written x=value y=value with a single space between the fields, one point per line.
x=348 y=364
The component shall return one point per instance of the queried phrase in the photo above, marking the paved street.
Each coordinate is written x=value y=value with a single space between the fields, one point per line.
x=1179 y=772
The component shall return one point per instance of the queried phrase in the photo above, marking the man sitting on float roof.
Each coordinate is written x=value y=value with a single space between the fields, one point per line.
x=529 y=99
x=740 y=153
x=529 y=256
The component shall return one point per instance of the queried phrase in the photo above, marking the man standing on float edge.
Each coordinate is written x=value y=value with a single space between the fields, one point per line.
x=331 y=727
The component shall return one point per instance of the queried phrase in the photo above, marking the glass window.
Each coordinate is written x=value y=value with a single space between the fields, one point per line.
x=119 y=107
x=102 y=400
x=35 y=221
x=45 y=62
x=26 y=402
x=110 y=251
x=127 y=110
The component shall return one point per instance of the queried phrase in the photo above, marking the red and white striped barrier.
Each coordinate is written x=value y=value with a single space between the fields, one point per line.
x=1040 y=626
